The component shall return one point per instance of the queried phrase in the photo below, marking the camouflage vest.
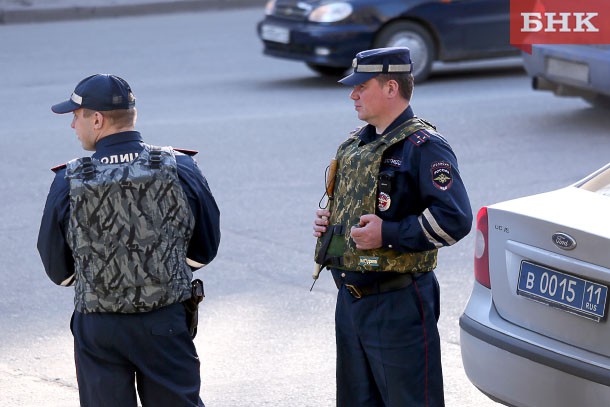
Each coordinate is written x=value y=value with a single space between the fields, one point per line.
x=129 y=229
x=355 y=195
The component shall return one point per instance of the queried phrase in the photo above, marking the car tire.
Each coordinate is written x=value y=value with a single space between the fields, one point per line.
x=325 y=70
x=598 y=101
x=417 y=39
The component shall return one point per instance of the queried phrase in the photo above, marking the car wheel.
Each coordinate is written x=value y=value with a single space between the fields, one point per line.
x=600 y=101
x=417 y=39
x=326 y=70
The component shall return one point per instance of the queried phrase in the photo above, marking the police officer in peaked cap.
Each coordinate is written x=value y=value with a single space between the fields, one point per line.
x=395 y=198
x=127 y=227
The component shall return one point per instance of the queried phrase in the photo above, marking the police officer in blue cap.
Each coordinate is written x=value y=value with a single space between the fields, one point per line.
x=397 y=198
x=127 y=227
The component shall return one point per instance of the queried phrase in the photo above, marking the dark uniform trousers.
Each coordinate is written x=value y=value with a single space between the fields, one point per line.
x=112 y=350
x=388 y=347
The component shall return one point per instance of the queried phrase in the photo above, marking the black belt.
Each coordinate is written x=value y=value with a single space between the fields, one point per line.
x=398 y=282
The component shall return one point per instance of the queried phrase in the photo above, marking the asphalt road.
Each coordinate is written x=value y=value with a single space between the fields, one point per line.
x=265 y=129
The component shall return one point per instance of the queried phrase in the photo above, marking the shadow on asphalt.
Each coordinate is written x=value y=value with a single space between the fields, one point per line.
x=459 y=74
x=585 y=119
x=313 y=81
x=326 y=82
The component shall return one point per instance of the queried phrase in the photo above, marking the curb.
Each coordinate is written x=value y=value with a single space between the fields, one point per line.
x=25 y=15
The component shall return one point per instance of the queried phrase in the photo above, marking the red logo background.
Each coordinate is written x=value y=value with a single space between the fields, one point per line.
x=524 y=40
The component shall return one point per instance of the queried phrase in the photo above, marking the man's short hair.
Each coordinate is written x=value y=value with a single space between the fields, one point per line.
x=118 y=118
x=405 y=83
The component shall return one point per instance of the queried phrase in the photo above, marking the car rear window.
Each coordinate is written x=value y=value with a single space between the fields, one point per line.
x=598 y=182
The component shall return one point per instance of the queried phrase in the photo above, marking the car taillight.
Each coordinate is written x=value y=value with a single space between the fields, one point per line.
x=481 y=252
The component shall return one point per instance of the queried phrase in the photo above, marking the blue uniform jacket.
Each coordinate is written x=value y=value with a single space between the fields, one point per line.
x=423 y=202
x=52 y=245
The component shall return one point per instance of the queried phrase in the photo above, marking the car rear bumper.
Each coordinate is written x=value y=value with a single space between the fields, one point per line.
x=319 y=44
x=594 y=62
x=518 y=367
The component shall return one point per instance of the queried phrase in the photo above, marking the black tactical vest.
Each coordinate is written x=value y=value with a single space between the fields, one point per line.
x=129 y=229
x=355 y=194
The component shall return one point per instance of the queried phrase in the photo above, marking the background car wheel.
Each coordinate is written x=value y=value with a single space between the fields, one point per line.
x=417 y=39
x=326 y=70
x=600 y=101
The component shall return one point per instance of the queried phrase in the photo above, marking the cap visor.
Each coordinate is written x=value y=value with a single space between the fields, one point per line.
x=357 y=78
x=65 y=107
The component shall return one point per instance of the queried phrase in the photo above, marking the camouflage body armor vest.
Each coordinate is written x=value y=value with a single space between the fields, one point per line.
x=355 y=195
x=129 y=229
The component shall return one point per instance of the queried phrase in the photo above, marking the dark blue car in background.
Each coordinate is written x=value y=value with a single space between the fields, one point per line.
x=327 y=34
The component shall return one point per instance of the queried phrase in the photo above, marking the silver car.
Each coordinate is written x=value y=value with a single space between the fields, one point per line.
x=535 y=331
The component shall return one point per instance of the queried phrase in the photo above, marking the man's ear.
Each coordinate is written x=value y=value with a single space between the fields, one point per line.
x=99 y=120
x=392 y=88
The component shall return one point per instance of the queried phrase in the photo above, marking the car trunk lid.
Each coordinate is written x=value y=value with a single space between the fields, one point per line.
x=559 y=243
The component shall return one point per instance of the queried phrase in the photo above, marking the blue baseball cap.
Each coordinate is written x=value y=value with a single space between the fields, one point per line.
x=99 y=92
x=370 y=63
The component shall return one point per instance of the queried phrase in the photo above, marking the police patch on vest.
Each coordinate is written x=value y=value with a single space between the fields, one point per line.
x=441 y=175
x=383 y=201
x=394 y=162
x=369 y=261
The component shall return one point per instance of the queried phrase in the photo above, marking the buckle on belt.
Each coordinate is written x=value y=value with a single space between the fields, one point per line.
x=354 y=291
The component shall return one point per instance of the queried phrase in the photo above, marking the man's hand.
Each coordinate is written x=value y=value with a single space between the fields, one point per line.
x=320 y=222
x=368 y=235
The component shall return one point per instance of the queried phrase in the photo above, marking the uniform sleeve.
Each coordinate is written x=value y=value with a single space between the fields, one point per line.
x=53 y=248
x=204 y=243
x=446 y=216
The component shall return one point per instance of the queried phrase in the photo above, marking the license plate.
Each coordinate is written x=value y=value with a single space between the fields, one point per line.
x=569 y=293
x=275 y=33
x=567 y=69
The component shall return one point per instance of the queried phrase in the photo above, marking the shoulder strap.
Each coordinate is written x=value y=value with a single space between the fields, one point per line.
x=154 y=156
x=80 y=168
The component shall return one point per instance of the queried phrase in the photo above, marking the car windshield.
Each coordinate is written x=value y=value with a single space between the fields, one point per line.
x=599 y=182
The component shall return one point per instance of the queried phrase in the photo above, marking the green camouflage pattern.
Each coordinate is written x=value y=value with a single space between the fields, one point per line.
x=129 y=229
x=355 y=195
